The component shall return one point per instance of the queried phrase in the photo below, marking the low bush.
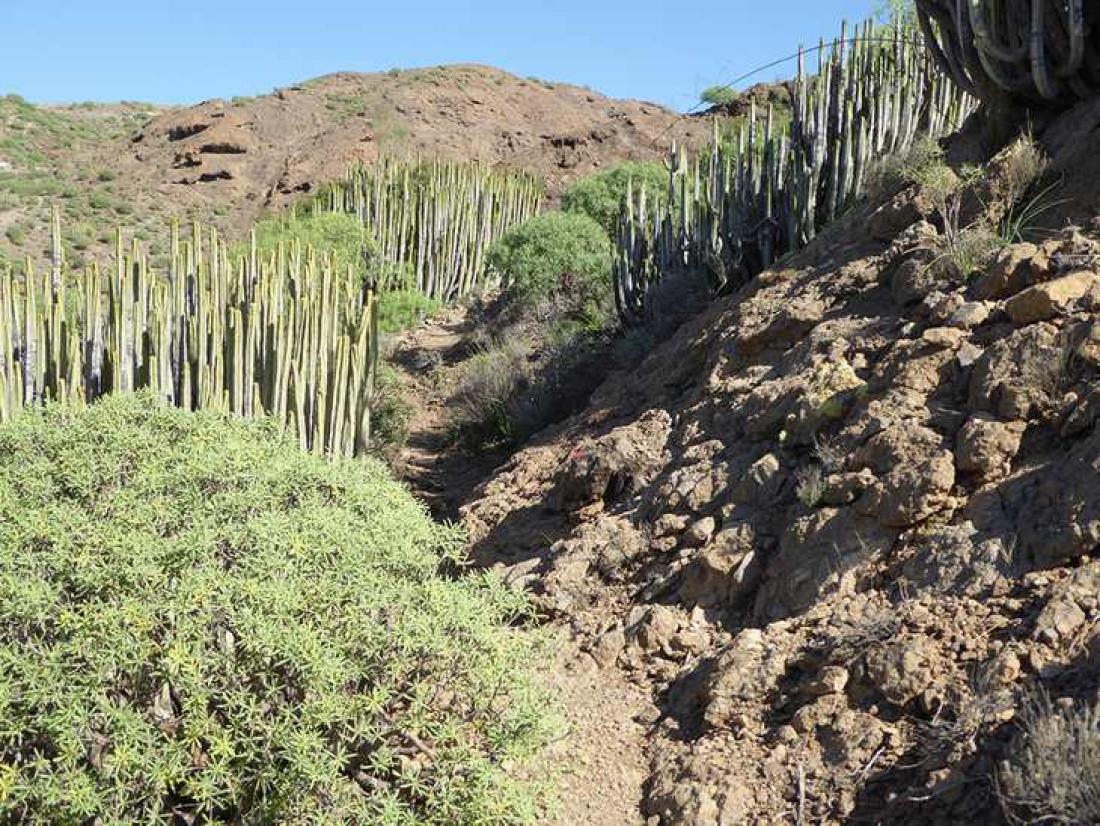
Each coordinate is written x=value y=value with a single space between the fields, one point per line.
x=401 y=309
x=1052 y=774
x=390 y=413
x=16 y=234
x=600 y=196
x=201 y=624
x=553 y=253
x=718 y=95
x=486 y=389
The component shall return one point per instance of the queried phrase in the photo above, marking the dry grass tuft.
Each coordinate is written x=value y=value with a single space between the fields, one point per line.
x=1052 y=774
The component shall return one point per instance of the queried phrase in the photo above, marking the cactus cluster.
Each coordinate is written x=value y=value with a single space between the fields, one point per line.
x=281 y=334
x=434 y=221
x=1031 y=50
x=733 y=210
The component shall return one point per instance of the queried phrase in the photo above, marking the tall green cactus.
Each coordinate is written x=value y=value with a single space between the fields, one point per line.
x=1031 y=50
x=741 y=205
x=283 y=335
x=435 y=219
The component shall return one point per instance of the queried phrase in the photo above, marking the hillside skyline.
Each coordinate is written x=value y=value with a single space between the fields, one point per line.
x=654 y=51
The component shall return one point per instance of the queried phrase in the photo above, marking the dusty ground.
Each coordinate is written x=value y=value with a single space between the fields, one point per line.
x=601 y=755
x=840 y=527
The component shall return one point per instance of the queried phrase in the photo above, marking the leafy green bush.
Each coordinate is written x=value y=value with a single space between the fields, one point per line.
x=199 y=623
x=599 y=196
x=401 y=309
x=16 y=234
x=553 y=253
x=718 y=95
x=390 y=413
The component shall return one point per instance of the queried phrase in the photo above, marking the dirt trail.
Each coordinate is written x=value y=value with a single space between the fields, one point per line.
x=441 y=473
x=603 y=753
x=602 y=756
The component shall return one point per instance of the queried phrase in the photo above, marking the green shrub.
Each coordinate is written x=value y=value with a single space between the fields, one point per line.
x=718 y=95
x=553 y=253
x=200 y=623
x=16 y=234
x=401 y=309
x=390 y=413
x=599 y=196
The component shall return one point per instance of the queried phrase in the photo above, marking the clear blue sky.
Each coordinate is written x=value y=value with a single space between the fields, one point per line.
x=182 y=51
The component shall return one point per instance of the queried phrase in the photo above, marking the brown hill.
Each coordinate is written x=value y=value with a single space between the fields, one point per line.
x=225 y=161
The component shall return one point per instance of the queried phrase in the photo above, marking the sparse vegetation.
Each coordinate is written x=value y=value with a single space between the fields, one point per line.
x=810 y=486
x=1052 y=773
x=489 y=383
x=232 y=631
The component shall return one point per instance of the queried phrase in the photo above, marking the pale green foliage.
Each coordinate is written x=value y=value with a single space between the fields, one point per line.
x=897 y=11
x=199 y=622
x=552 y=253
x=401 y=309
x=1052 y=774
x=600 y=196
x=922 y=163
x=341 y=235
x=718 y=95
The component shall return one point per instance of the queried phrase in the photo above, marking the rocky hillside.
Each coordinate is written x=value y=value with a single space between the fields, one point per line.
x=840 y=527
x=225 y=161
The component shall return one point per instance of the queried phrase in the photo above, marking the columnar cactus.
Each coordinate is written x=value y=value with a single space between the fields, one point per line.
x=767 y=192
x=282 y=335
x=435 y=219
x=1031 y=50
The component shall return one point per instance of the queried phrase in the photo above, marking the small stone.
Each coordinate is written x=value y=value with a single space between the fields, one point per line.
x=700 y=532
x=670 y=524
x=1064 y=619
x=987 y=447
x=946 y=337
x=1054 y=298
x=1005 y=669
x=658 y=629
x=786 y=734
x=970 y=315
x=608 y=647
x=664 y=544
x=1010 y=272
x=944 y=309
x=832 y=679
x=968 y=354
x=691 y=641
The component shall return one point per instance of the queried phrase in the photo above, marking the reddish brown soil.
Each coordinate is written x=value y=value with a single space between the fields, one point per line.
x=265 y=151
